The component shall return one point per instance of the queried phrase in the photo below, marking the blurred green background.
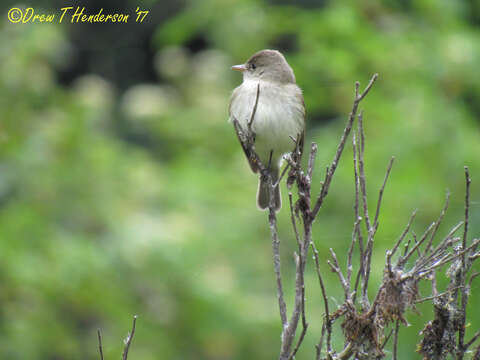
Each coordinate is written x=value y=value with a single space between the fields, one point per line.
x=123 y=190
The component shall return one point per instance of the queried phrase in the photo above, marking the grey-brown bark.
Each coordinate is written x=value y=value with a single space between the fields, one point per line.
x=364 y=321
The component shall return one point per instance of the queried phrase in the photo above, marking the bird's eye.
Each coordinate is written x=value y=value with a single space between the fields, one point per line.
x=253 y=66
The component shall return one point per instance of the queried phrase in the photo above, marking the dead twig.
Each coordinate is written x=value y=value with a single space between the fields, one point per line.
x=341 y=145
x=380 y=193
x=464 y=269
x=363 y=323
x=328 y=324
x=128 y=339
x=100 y=347
x=395 y=340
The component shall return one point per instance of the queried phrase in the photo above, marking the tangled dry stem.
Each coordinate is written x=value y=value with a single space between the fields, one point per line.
x=127 y=341
x=364 y=322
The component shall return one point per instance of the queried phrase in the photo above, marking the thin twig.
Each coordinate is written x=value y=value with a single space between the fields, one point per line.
x=476 y=356
x=300 y=339
x=472 y=340
x=357 y=179
x=346 y=353
x=405 y=232
x=292 y=218
x=438 y=222
x=385 y=342
x=129 y=339
x=304 y=326
x=357 y=282
x=363 y=185
x=370 y=230
x=311 y=161
x=336 y=268
x=434 y=296
x=318 y=347
x=445 y=243
x=404 y=259
x=100 y=346
x=328 y=323
x=341 y=145
x=300 y=263
x=350 y=252
x=367 y=89
x=400 y=239
x=357 y=230
x=285 y=169
x=395 y=340
x=272 y=219
x=464 y=294
x=434 y=284
x=472 y=277
x=290 y=329
x=380 y=193
x=442 y=261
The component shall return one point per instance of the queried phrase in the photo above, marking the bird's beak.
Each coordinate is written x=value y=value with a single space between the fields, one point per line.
x=241 y=68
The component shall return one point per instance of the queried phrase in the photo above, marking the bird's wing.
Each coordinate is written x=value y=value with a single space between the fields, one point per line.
x=247 y=152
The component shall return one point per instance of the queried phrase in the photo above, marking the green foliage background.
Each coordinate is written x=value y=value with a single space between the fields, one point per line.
x=132 y=197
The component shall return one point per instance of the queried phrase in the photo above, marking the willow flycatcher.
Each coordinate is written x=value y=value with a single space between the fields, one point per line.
x=279 y=117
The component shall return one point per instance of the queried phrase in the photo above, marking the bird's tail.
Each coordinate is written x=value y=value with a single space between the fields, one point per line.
x=263 y=193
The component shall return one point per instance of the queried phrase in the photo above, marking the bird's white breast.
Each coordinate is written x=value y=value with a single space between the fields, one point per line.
x=279 y=116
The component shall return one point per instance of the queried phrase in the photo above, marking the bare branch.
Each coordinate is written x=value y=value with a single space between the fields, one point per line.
x=328 y=324
x=358 y=233
x=395 y=340
x=272 y=219
x=441 y=247
x=380 y=194
x=387 y=338
x=290 y=329
x=464 y=295
x=292 y=218
x=472 y=340
x=439 y=221
x=311 y=161
x=346 y=352
x=128 y=339
x=341 y=145
x=434 y=296
x=336 y=268
x=363 y=327
x=304 y=320
x=363 y=185
x=474 y=275
x=404 y=259
x=350 y=252
x=318 y=347
x=300 y=339
x=416 y=271
x=357 y=179
x=370 y=231
x=476 y=356
x=367 y=89
x=100 y=346
x=400 y=239
x=284 y=171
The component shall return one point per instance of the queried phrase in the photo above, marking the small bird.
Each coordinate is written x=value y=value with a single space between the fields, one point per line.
x=279 y=117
